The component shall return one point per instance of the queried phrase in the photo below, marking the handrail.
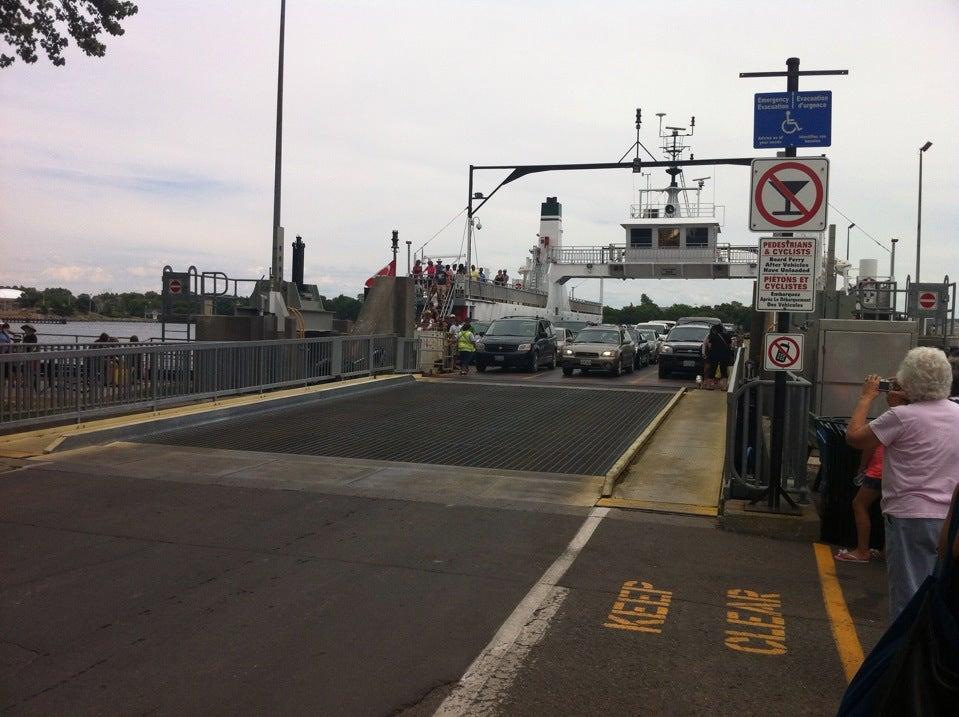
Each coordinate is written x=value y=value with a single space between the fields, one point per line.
x=44 y=386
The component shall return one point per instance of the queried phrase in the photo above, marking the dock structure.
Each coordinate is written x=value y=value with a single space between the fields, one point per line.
x=510 y=543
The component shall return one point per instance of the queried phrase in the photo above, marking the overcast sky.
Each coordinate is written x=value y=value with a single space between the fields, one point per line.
x=162 y=152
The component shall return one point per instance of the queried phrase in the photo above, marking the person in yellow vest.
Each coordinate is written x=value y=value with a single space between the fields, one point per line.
x=466 y=345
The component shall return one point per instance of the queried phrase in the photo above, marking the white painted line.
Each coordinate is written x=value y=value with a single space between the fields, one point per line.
x=488 y=679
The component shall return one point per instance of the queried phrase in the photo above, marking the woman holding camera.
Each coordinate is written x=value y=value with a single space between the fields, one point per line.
x=921 y=465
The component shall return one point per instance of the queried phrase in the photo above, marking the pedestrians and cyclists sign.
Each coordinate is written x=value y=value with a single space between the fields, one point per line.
x=783 y=352
x=789 y=194
x=792 y=119
x=787 y=274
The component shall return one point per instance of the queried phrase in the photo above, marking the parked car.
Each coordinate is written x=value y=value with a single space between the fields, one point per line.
x=655 y=342
x=573 y=325
x=659 y=327
x=563 y=337
x=707 y=320
x=480 y=327
x=518 y=341
x=682 y=351
x=606 y=346
x=669 y=323
x=644 y=347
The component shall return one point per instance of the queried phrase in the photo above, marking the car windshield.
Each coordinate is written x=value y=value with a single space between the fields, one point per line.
x=573 y=326
x=512 y=327
x=479 y=327
x=651 y=327
x=597 y=336
x=688 y=333
x=648 y=335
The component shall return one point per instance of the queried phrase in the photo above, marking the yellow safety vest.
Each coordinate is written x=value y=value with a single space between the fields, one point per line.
x=465 y=341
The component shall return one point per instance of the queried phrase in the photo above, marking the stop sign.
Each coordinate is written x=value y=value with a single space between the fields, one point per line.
x=928 y=300
x=176 y=287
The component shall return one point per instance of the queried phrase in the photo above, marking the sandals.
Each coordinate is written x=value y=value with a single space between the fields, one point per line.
x=847 y=557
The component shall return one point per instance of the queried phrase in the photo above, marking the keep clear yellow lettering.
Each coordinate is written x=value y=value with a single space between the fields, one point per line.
x=756 y=623
x=639 y=607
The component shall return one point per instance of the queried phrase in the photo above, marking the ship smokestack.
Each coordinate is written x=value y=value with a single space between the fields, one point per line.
x=299 y=252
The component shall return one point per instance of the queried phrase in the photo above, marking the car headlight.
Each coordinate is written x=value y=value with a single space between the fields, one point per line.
x=524 y=347
x=480 y=346
x=609 y=353
x=569 y=352
x=666 y=349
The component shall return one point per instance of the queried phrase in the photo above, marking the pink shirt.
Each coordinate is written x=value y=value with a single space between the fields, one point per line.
x=921 y=466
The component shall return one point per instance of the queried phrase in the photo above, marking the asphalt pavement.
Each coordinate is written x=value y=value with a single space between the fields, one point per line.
x=169 y=580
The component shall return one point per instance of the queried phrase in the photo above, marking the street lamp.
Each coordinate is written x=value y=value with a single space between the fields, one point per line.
x=848 y=229
x=922 y=150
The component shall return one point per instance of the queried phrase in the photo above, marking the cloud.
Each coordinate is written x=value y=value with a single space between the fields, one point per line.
x=77 y=274
x=174 y=185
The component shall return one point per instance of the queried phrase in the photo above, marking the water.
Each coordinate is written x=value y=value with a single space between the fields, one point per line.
x=87 y=331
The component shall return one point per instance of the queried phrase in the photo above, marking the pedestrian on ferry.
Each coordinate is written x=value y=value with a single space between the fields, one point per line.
x=466 y=345
x=717 y=358
x=417 y=271
x=483 y=275
x=954 y=391
x=920 y=466
x=474 y=273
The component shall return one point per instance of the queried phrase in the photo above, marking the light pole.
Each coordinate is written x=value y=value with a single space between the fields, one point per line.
x=922 y=151
x=848 y=229
x=892 y=259
x=408 y=245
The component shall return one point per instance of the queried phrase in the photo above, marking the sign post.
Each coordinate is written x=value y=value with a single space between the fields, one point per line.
x=775 y=490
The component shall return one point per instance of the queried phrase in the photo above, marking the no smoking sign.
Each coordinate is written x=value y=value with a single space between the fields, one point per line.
x=783 y=352
x=789 y=194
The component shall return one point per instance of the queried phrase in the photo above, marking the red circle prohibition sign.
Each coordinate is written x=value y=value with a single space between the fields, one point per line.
x=927 y=300
x=175 y=286
x=786 y=345
x=770 y=176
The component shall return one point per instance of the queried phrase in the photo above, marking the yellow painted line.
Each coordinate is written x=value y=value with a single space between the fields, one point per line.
x=651 y=506
x=614 y=473
x=843 y=628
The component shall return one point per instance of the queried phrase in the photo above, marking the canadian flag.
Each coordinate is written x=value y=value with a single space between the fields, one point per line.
x=388 y=270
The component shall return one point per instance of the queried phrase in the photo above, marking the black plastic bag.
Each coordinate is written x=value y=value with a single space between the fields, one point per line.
x=914 y=668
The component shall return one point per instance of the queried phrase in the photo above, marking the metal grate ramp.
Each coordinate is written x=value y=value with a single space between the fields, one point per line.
x=547 y=430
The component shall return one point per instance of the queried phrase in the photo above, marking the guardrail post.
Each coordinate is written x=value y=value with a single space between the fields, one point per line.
x=154 y=378
x=336 y=357
x=371 y=369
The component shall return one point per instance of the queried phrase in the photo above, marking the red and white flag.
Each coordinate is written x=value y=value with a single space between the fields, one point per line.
x=388 y=270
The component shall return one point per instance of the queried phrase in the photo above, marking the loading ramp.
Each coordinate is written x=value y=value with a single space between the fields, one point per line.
x=523 y=428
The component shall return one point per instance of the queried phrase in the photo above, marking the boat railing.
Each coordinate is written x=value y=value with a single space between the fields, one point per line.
x=623 y=254
x=499 y=293
x=43 y=386
x=586 y=307
x=658 y=210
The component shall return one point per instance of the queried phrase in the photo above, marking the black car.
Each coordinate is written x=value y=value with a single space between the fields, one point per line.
x=682 y=352
x=644 y=349
x=524 y=342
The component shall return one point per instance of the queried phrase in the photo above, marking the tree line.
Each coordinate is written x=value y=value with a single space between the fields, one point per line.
x=733 y=312
x=60 y=302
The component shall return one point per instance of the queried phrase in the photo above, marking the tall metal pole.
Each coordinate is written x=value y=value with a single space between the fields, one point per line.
x=469 y=233
x=409 y=245
x=831 y=259
x=892 y=260
x=848 y=232
x=277 y=265
x=922 y=151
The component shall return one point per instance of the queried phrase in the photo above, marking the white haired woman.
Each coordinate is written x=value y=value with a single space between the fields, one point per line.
x=921 y=466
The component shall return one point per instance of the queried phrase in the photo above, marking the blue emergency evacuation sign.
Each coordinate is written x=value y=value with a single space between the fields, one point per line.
x=792 y=119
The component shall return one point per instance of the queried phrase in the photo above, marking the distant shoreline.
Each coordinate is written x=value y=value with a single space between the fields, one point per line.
x=36 y=317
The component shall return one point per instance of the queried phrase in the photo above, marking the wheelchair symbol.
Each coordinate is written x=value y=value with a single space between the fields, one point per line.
x=789 y=125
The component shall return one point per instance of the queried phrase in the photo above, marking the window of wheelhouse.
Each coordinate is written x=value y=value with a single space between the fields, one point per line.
x=697 y=237
x=669 y=238
x=641 y=238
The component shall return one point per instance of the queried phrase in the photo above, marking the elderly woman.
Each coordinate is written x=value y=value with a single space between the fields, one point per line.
x=921 y=466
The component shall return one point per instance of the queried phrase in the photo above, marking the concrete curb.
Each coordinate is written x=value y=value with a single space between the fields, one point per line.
x=619 y=467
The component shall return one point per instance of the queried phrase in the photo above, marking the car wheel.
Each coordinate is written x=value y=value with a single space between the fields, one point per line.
x=567 y=371
x=553 y=364
x=663 y=373
x=534 y=363
x=481 y=367
x=617 y=369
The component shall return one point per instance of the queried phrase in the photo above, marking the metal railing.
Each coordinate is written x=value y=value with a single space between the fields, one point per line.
x=748 y=420
x=496 y=292
x=687 y=210
x=622 y=254
x=44 y=386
